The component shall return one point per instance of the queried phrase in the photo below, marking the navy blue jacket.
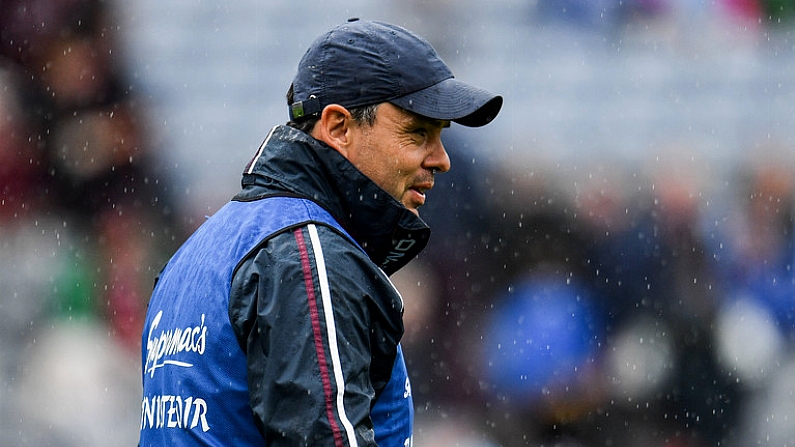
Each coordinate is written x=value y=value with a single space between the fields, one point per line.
x=276 y=323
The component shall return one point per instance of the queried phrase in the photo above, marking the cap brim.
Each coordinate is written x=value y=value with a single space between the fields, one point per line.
x=455 y=101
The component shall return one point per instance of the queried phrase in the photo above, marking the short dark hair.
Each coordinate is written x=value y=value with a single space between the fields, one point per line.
x=362 y=115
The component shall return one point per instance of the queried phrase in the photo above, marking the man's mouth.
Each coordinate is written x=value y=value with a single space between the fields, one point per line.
x=418 y=193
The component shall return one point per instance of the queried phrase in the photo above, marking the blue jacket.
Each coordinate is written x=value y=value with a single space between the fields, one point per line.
x=276 y=323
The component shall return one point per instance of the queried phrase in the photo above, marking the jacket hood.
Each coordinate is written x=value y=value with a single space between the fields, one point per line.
x=291 y=163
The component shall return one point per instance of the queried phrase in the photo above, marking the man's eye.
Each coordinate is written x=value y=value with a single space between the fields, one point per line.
x=421 y=132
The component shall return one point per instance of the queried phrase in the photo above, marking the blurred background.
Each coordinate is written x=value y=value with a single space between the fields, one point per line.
x=612 y=258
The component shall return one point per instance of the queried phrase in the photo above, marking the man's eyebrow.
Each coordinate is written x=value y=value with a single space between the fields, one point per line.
x=431 y=121
x=416 y=118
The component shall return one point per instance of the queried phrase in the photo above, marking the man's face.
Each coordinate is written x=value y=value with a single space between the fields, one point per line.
x=400 y=153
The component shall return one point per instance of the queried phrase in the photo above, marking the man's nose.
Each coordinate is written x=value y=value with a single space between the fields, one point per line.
x=438 y=160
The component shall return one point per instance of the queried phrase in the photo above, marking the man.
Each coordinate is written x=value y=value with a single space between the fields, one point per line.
x=276 y=324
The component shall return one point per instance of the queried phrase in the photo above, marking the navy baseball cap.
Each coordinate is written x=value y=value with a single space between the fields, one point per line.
x=360 y=63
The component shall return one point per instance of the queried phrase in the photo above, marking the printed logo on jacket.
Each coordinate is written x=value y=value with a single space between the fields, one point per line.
x=170 y=348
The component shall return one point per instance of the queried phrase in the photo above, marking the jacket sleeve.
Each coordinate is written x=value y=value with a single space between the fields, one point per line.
x=302 y=308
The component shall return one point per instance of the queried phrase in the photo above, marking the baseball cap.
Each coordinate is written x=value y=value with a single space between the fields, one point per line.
x=360 y=63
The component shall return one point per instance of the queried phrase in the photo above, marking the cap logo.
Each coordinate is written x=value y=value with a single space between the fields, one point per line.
x=300 y=109
x=297 y=110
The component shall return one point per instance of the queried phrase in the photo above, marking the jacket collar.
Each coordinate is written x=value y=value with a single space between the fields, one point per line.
x=292 y=163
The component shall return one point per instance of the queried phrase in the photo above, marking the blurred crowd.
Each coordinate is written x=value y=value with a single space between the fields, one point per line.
x=86 y=217
x=591 y=305
x=647 y=305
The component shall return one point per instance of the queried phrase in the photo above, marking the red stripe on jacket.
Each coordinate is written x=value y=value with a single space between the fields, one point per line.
x=328 y=393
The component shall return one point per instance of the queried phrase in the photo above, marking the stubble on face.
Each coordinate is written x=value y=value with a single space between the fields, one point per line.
x=400 y=153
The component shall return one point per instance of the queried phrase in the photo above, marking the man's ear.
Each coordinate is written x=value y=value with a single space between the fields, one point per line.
x=333 y=127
